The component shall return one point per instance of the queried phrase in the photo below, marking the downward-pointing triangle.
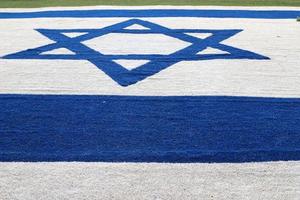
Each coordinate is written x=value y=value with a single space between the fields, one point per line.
x=60 y=51
x=74 y=34
x=210 y=50
x=131 y=64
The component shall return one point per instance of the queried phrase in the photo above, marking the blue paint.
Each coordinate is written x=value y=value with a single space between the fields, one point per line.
x=148 y=129
x=261 y=14
x=123 y=76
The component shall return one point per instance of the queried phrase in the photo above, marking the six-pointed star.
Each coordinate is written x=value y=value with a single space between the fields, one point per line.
x=157 y=62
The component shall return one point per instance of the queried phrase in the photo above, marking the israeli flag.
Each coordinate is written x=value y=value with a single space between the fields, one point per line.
x=167 y=90
x=150 y=85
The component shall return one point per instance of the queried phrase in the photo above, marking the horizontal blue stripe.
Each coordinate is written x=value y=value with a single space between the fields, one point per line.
x=257 y=14
x=148 y=129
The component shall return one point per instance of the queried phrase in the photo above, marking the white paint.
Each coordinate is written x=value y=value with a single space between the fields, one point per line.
x=151 y=7
x=277 y=39
x=28 y=181
x=136 y=27
x=210 y=50
x=124 y=44
x=74 y=34
x=200 y=35
x=60 y=51
x=131 y=64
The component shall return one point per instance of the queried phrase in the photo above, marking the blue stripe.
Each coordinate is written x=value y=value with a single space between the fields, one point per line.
x=261 y=14
x=148 y=129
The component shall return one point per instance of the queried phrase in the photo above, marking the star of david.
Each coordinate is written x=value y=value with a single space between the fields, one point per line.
x=157 y=62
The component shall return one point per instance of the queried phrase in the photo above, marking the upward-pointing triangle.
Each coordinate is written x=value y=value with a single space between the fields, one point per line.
x=74 y=34
x=136 y=27
x=60 y=51
x=131 y=64
x=210 y=50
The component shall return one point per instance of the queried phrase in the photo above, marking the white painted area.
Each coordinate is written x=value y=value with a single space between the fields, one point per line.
x=131 y=64
x=277 y=39
x=124 y=44
x=200 y=35
x=74 y=34
x=210 y=50
x=136 y=27
x=60 y=51
x=151 y=7
x=27 y=181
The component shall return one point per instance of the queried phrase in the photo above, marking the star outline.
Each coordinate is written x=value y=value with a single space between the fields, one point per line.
x=158 y=62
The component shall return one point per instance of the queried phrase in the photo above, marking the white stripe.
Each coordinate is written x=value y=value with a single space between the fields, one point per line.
x=152 y=7
x=275 y=180
x=278 y=77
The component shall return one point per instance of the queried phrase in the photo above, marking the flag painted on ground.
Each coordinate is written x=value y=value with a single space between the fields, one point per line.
x=150 y=85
